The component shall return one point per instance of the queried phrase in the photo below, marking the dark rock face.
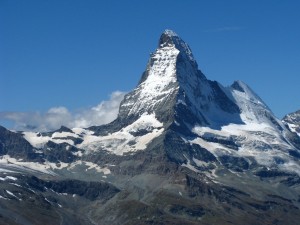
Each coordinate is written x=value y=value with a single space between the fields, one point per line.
x=180 y=152
x=292 y=122
x=195 y=211
x=271 y=173
x=140 y=132
x=75 y=140
x=229 y=142
x=295 y=154
x=234 y=163
x=58 y=152
x=63 y=129
x=15 y=145
x=294 y=139
x=222 y=99
x=237 y=86
x=60 y=130
x=89 y=190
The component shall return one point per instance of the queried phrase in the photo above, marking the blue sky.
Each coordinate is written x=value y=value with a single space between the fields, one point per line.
x=73 y=55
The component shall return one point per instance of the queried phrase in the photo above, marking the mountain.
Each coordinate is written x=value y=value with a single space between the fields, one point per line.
x=292 y=120
x=183 y=150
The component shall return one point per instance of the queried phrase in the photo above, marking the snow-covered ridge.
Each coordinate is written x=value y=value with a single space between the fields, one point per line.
x=253 y=109
x=46 y=167
x=132 y=138
x=38 y=141
x=255 y=140
x=292 y=120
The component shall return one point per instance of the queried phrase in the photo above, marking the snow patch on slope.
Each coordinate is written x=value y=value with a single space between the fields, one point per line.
x=90 y=166
x=125 y=141
x=46 y=167
x=252 y=107
x=132 y=138
x=159 y=83
x=260 y=141
x=38 y=141
x=15 y=164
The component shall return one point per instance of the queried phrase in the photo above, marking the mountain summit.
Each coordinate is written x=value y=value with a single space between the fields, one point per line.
x=170 y=38
x=183 y=150
x=172 y=84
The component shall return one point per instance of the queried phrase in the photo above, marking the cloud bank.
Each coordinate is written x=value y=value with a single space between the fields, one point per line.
x=55 y=117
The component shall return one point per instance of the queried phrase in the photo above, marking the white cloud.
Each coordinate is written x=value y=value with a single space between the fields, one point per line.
x=55 y=117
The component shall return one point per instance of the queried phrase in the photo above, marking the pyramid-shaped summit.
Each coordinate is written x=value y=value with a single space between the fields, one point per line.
x=172 y=84
x=170 y=38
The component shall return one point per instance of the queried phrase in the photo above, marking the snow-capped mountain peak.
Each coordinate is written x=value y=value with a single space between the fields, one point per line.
x=249 y=93
x=252 y=106
x=292 y=120
x=170 y=38
x=172 y=83
x=160 y=82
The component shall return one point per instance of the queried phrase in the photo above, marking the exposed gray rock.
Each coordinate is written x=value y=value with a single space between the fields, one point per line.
x=13 y=144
